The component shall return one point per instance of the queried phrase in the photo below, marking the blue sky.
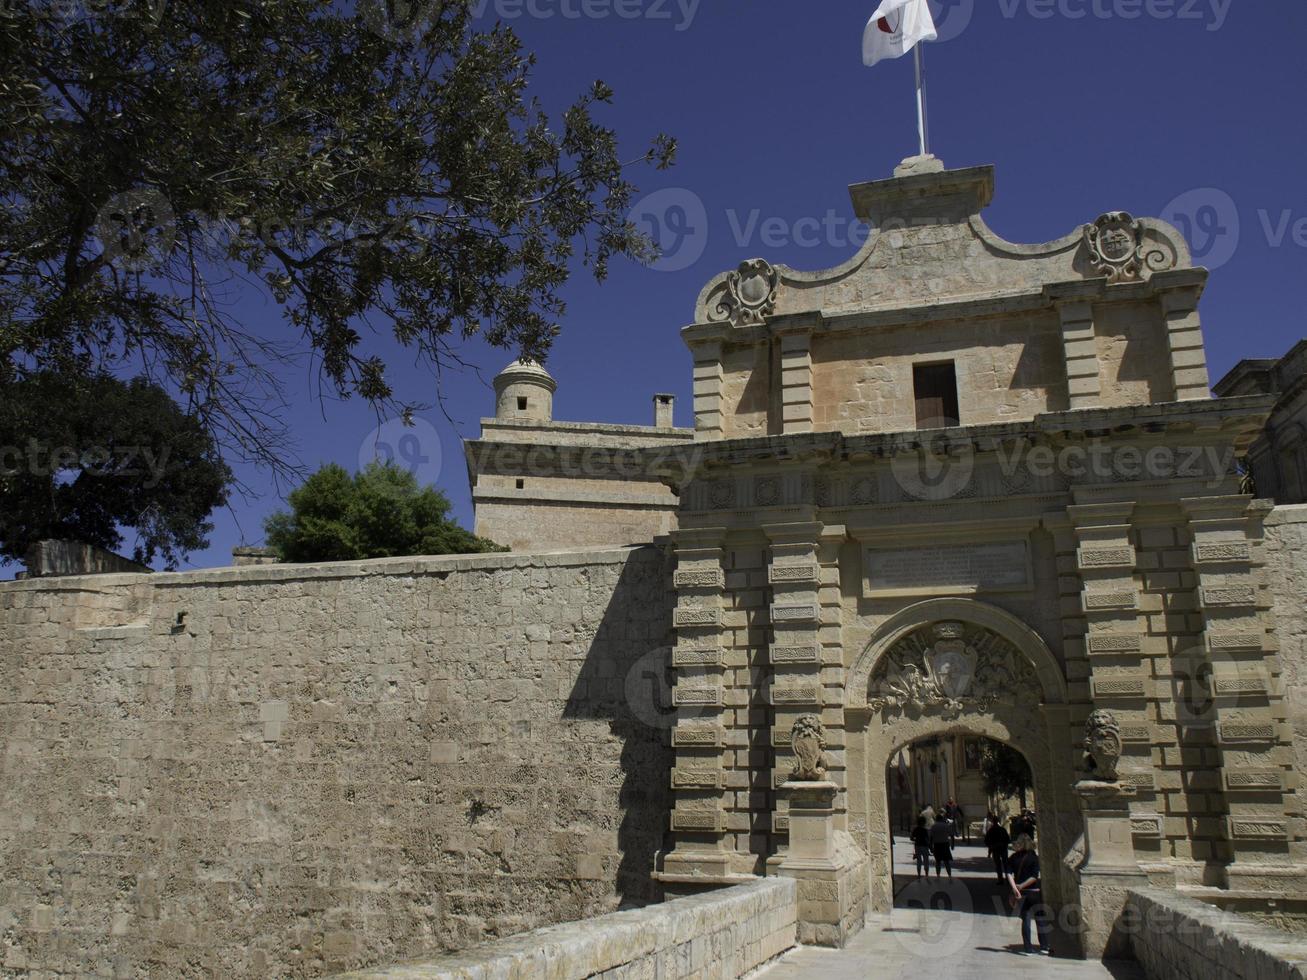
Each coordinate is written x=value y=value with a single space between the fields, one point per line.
x=1189 y=109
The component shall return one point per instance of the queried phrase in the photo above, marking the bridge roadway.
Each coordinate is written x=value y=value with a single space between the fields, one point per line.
x=959 y=931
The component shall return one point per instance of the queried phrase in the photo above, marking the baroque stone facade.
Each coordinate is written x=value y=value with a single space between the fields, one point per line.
x=963 y=486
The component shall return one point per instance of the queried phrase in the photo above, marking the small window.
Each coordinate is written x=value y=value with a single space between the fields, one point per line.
x=521 y=404
x=935 y=387
x=521 y=484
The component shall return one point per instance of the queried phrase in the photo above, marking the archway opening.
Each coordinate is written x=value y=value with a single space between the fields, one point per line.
x=947 y=791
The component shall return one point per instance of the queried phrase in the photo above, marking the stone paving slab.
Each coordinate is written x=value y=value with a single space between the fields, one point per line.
x=956 y=930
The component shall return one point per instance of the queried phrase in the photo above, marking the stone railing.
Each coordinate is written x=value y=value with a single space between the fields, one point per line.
x=723 y=934
x=1174 y=936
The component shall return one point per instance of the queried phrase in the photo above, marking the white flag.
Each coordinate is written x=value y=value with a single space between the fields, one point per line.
x=896 y=28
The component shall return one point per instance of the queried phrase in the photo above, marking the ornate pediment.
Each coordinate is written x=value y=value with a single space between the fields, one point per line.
x=950 y=667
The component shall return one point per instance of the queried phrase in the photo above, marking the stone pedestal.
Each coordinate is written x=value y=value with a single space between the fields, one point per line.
x=830 y=869
x=1109 y=869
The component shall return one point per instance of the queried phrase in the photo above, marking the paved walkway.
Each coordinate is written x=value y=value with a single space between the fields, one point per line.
x=959 y=931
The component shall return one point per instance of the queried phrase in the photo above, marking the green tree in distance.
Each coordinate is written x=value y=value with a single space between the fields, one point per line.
x=377 y=168
x=380 y=512
x=1005 y=771
x=85 y=458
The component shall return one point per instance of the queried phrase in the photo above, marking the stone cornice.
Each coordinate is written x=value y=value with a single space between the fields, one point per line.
x=1238 y=419
x=1040 y=298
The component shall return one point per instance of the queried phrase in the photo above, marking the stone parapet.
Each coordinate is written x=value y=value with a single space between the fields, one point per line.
x=1175 y=935
x=723 y=934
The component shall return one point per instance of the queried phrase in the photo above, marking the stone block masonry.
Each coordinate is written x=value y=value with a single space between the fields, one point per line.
x=720 y=935
x=1176 y=937
x=299 y=770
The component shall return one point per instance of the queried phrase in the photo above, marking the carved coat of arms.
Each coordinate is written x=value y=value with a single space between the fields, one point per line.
x=945 y=671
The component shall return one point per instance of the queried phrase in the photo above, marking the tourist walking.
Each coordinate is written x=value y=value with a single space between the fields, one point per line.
x=941 y=838
x=1028 y=896
x=921 y=847
x=997 y=840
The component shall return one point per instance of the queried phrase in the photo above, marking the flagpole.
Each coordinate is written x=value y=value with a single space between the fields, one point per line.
x=922 y=131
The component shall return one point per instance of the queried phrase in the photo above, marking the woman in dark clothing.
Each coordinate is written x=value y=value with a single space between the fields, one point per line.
x=921 y=847
x=941 y=840
x=1027 y=896
x=996 y=842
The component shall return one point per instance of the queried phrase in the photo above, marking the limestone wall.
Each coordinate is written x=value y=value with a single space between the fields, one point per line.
x=722 y=934
x=1175 y=937
x=1286 y=565
x=298 y=770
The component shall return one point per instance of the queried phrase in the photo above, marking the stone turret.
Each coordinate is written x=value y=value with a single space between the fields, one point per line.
x=525 y=390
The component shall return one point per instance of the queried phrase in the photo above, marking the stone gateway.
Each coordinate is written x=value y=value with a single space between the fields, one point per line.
x=954 y=488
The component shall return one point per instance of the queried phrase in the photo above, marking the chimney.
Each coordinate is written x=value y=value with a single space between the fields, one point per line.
x=664 y=411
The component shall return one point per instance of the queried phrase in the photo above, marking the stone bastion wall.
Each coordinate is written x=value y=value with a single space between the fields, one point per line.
x=300 y=770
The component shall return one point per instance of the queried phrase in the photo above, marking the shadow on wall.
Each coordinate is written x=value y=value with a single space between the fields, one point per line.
x=626 y=681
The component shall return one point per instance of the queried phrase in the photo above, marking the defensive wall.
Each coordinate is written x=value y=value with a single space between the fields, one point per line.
x=297 y=770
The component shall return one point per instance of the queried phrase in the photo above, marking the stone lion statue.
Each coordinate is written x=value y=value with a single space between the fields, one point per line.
x=1102 y=746
x=808 y=740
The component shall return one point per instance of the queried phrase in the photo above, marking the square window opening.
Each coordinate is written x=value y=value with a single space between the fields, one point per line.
x=935 y=388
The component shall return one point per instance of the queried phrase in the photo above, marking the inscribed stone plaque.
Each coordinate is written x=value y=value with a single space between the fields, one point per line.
x=1114 y=643
x=1222 y=551
x=705 y=820
x=794 y=655
x=991 y=566
x=689 y=737
x=1239 y=731
x=696 y=616
x=700 y=578
x=697 y=696
x=1253 y=779
x=696 y=778
x=805 y=694
x=791 y=574
x=694 y=657
x=1256 y=827
x=1146 y=824
x=805 y=613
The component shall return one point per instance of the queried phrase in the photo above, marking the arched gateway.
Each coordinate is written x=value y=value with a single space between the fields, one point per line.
x=962 y=485
x=948 y=666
